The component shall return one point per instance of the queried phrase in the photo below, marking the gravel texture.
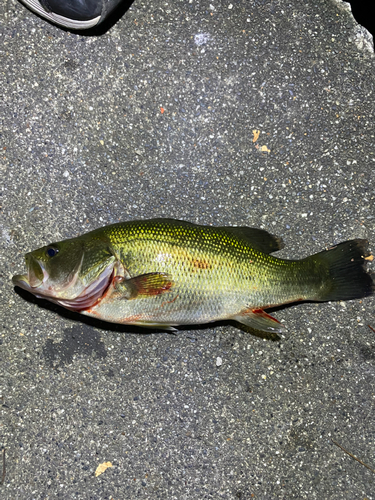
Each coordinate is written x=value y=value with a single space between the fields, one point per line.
x=256 y=113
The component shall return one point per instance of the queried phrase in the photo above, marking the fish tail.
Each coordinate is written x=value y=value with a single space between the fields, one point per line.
x=344 y=271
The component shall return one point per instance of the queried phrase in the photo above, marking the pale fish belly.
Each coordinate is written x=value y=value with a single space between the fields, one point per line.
x=176 y=307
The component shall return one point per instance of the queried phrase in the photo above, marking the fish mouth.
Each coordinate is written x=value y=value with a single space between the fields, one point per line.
x=88 y=297
x=36 y=275
x=22 y=281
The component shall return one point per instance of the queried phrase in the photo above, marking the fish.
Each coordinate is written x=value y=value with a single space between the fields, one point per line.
x=162 y=273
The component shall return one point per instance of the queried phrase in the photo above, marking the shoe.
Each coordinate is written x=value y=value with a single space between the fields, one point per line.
x=73 y=14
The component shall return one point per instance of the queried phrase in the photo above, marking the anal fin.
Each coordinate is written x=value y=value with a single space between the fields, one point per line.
x=259 y=320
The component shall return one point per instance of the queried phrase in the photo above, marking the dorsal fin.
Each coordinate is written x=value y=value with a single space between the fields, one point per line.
x=257 y=238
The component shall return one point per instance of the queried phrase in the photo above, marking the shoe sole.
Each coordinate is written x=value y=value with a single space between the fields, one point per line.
x=35 y=6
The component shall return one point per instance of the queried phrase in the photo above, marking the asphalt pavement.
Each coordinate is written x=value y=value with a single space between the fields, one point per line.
x=257 y=113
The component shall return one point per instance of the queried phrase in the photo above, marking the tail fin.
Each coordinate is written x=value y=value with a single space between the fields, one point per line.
x=346 y=268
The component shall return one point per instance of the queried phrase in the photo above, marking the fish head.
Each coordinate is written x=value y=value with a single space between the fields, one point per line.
x=73 y=273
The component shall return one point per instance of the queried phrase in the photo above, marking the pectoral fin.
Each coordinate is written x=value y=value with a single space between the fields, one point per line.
x=259 y=320
x=145 y=285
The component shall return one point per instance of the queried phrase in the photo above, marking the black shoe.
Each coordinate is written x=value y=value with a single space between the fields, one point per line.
x=73 y=14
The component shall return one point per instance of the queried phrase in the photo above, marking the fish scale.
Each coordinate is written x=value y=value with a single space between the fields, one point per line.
x=198 y=293
x=164 y=273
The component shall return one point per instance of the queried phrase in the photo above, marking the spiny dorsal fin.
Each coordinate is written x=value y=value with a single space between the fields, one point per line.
x=257 y=238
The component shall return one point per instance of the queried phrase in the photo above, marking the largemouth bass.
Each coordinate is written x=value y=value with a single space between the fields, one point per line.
x=163 y=273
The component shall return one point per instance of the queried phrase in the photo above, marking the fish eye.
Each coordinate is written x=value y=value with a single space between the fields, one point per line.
x=51 y=251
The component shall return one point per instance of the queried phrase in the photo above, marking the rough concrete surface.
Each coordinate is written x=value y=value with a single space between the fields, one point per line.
x=156 y=115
